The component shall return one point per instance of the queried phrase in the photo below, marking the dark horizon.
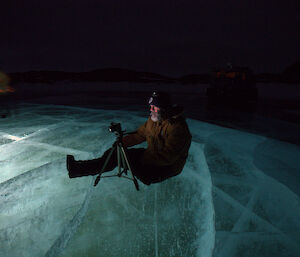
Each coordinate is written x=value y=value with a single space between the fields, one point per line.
x=173 y=38
x=291 y=74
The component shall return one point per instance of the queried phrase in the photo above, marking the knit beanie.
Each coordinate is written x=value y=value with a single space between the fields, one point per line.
x=161 y=100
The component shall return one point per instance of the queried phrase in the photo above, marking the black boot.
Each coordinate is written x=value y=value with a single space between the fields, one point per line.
x=83 y=168
x=72 y=167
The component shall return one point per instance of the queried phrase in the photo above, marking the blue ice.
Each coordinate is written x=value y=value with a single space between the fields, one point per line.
x=237 y=195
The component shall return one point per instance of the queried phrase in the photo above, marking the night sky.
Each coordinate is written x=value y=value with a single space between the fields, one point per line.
x=169 y=37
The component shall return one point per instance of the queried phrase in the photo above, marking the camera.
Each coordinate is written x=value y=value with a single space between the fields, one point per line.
x=115 y=127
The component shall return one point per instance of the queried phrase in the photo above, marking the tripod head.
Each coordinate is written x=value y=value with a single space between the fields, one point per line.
x=116 y=128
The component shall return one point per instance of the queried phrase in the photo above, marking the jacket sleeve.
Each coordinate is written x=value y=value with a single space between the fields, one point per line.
x=175 y=146
x=137 y=137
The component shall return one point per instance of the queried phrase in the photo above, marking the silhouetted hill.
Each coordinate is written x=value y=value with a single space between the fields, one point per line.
x=108 y=75
x=194 y=79
x=292 y=73
x=268 y=77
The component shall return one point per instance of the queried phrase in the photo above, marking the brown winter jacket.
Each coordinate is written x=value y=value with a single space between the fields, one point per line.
x=168 y=142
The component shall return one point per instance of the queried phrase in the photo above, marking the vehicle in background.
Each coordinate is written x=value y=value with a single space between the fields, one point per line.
x=235 y=84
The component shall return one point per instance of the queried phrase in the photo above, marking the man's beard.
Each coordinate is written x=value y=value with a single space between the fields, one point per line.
x=154 y=118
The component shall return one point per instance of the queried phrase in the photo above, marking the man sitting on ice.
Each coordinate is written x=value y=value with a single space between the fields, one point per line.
x=168 y=138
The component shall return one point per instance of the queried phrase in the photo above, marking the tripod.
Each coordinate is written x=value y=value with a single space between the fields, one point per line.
x=122 y=157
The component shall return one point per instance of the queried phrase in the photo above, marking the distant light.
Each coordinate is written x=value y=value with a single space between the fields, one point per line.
x=14 y=138
x=8 y=89
x=4 y=84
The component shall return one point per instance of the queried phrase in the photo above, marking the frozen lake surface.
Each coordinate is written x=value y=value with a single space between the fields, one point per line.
x=237 y=195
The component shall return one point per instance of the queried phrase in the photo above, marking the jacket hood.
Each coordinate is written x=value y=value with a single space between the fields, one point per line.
x=174 y=113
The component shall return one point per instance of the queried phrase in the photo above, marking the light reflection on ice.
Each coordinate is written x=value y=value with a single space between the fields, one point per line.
x=13 y=137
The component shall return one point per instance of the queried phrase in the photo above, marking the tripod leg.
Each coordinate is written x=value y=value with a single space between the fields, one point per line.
x=124 y=164
x=125 y=158
x=128 y=166
x=104 y=166
x=119 y=161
